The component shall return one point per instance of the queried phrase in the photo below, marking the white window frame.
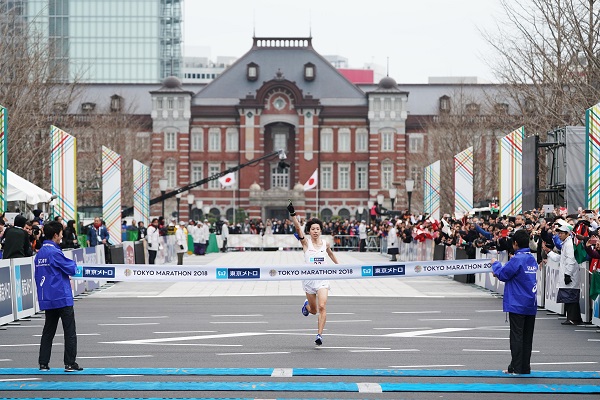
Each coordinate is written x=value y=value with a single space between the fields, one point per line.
x=197 y=139
x=362 y=176
x=232 y=139
x=214 y=139
x=327 y=140
x=326 y=176
x=170 y=172
x=362 y=140
x=387 y=140
x=416 y=143
x=170 y=142
x=214 y=168
x=344 y=140
x=279 y=179
x=387 y=175
x=343 y=181
x=196 y=172
x=170 y=102
x=416 y=174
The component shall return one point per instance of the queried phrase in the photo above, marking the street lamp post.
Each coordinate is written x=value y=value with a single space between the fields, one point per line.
x=361 y=210
x=178 y=198
x=393 y=194
x=190 y=200
x=380 y=199
x=410 y=186
x=162 y=184
x=199 y=204
x=370 y=204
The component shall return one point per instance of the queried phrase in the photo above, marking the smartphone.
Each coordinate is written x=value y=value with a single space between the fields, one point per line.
x=592 y=241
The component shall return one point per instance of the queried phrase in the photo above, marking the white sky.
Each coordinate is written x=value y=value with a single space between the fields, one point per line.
x=422 y=38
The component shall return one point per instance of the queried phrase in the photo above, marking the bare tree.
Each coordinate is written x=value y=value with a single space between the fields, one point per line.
x=549 y=59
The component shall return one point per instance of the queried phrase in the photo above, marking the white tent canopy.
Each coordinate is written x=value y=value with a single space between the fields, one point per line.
x=19 y=189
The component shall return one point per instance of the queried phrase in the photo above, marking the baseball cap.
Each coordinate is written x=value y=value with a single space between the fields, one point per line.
x=565 y=228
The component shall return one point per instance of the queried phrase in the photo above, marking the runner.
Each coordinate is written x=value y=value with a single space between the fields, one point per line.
x=315 y=251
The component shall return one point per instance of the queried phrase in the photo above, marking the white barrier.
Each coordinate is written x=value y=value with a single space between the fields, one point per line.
x=249 y=241
x=551 y=269
x=488 y=280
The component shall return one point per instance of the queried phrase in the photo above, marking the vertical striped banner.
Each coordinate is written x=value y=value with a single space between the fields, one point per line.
x=463 y=182
x=511 y=172
x=63 y=173
x=141 y=192
x=431 y=185
x=592 y=182
x=3 y=156
x=111 y=193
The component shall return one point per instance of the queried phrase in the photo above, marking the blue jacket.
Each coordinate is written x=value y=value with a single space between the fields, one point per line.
x=52 y=271
x=520 y=289
x=94 y=234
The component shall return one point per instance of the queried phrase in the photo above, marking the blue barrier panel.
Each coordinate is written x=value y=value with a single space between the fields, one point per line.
x=23 y=288
x=6 y=293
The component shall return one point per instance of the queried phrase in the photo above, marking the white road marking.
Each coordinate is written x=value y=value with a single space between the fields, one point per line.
x=340 y=313
x=20 y=379
x=359 y=347
x=237 y=315
x=139 y=324
x=251 y=354
x=79 y=334
x=122 y=376
x=144 y=317
x=490 y=350
x=5 y=359
x=349 y=320
x=386 y=350
x=240 y=322
x=566 y=363
x=593 y=340
x=496 y=310
x=445 y=319
x=195 y=344
x=25 y=326
x=426 y=366
x=108 y=357
x=182 y=338
x=416 y=312
x=402 y=329
x=292 y=330
x=427 y=332
x=368 y=387
x=282 y=372
x=174 y=332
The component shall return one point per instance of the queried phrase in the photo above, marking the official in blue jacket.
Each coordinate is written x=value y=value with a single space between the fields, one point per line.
x=520 y=301
x=52 y=271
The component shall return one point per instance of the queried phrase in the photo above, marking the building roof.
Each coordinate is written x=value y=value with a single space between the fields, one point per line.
x=286 y=56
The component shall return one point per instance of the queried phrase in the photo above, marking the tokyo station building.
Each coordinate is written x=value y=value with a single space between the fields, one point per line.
x=363 y=138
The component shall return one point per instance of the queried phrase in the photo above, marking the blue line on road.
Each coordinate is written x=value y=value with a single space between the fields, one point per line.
x=456 y=373
x=295 y=387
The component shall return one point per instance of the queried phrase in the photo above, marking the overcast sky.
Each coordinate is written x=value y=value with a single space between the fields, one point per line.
x=422 y=38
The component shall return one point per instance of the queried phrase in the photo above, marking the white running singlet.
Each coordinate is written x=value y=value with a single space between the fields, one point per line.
x=313 y=256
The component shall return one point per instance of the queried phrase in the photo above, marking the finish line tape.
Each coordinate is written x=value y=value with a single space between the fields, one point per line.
x=204 y=273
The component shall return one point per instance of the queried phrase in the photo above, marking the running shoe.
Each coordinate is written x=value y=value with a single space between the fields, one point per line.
x=304 y=309
x=319 y=340
x=73 y=367
x=44 y=367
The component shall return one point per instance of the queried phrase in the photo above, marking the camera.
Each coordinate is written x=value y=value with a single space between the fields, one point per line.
x=35 y=230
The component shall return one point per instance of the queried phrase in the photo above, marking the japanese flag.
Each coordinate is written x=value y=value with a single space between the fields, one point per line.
x=227 y=180
x=312 y=182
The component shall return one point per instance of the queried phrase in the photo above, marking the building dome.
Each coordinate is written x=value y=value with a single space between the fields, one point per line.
x=171 y=82
x=299 y=186
x=255 y=186
x=387 y=83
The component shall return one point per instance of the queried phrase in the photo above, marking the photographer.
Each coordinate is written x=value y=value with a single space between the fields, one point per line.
x=69 y=240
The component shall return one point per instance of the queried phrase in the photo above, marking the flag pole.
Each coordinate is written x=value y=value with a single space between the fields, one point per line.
x=233 y=202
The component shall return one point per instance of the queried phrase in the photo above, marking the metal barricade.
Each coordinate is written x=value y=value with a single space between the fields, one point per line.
x=345 y=242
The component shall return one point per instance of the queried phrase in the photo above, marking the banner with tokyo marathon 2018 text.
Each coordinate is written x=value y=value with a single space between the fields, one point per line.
x=63 y=164
x=431 y=197
x=196 y=273
x=592 y=182
x=511 y=172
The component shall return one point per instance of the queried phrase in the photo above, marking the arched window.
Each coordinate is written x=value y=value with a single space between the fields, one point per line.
x=444 y=104
x=326 y=214
x=344 y=213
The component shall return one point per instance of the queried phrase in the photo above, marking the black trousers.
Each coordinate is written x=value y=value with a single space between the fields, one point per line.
x=67 y=316
x=521 y=342
x=152 y=256
x=363 y=245
x=573 y=312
